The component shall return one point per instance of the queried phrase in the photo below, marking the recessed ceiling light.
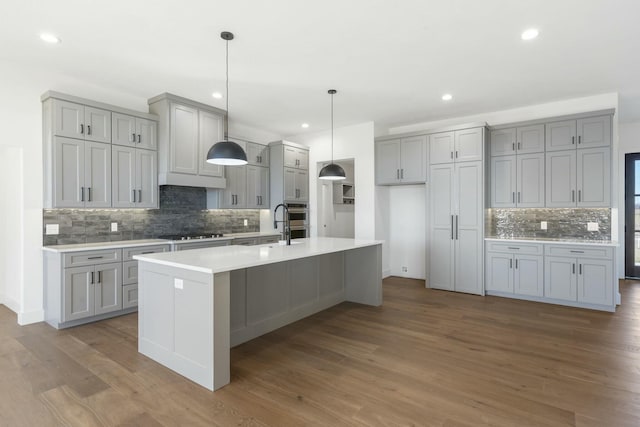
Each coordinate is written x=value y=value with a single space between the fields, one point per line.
x=530 y=34
x=305 y=125
x=447 y=97
x=217 y=95
x=50 y=38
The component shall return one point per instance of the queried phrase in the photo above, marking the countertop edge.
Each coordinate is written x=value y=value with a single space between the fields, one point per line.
x=555 y=242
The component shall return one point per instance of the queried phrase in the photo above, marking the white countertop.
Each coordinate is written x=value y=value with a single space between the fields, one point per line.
x=554 y=241
x=105 y=245
x=227 y=258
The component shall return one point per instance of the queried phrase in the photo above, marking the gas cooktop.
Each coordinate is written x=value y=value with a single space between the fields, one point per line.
x=191 y=236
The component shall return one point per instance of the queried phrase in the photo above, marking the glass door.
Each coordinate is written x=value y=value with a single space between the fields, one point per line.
x=632 y=215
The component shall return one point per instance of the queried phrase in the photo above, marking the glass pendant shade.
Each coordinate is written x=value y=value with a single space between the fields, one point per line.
x=332 y=172
x=226 y=153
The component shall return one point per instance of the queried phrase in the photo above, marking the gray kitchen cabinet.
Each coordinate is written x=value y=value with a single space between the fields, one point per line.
x=503 y=181
x=134 y=131
x=257 y=154
x=513 y=273
x=187 y=129
x=235 y=194
x=130 y=272
x=499 y=272
x=587 y=132
x=73 y=120
x=288 y=184
x=129 y=296
x=401 y=161
x=464 y=145
x=560 y=278
x=595 y=284
x=91 y=290
x=108 y=288
x=81 y=174
x=134 y=177
x=245 y=241
x=530 y=176
x=257 y=187
x=520 y=140
x=578 y=178
x=528 y=275
x=456 y=227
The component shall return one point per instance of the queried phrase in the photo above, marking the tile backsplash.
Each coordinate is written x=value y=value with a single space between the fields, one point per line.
x=561 y=223
x=183 y=210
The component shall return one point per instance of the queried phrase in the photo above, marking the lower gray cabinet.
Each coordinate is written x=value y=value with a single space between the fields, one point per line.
x=514 y=272
x=587 y=281
x=129 y=296
x=129 y=289
x=91 y=290
x=108 y=285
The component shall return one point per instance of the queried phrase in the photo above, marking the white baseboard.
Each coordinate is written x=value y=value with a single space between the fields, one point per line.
x=28 y=317
x=11 y=304
x=386 y=273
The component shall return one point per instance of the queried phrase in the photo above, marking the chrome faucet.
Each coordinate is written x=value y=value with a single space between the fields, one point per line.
x=286 y=232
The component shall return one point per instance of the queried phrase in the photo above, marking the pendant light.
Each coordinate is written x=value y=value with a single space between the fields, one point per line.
x=226 y=152
x=332 y=171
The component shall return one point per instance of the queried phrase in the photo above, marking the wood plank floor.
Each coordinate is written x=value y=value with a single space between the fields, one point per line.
x=426 y=358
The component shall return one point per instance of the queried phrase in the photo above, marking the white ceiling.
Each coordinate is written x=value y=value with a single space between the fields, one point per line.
x=390 y=60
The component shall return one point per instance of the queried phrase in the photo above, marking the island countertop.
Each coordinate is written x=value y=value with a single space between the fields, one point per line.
x=228 y=258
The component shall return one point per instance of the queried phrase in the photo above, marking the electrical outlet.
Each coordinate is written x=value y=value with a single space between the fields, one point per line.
x=178 y=283
x=114 y=226
x=246 y=222
x=405 y=269
x=50 y=229
x=593 y=226
x=543 y=225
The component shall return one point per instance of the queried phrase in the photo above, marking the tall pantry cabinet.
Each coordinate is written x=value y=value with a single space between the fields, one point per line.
x=456 y=210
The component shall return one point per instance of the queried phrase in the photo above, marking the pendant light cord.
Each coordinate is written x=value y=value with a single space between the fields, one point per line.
x=332 y=128
x=226 y=128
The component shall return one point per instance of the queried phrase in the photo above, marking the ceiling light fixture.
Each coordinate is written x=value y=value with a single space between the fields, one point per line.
x=332 y=171
x=50 y=38
x=447 y=97
x=227 y=152
x=530 y=34
x=305 y=125
x=217 y=95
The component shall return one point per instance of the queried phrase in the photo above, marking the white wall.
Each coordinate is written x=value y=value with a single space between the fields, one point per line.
x=407 y=231
x=349 y=142
x=629 y=143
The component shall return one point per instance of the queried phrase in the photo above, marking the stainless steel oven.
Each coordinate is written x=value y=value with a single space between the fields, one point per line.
x=298 y=220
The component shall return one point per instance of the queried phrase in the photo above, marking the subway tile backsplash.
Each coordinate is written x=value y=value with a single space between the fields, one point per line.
x=561 y=223
x=183 y=210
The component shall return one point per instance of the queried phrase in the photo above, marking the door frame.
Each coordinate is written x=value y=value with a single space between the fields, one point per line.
x=630 y=268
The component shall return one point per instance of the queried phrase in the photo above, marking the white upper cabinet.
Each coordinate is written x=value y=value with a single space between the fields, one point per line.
x=134 y=131
x=530 y=179
x=503 y=142
x=147 y=131
x=594 y=177
x=594 y=132
x=296 y=157
x=97 y=175
x=74 y=120
x=147 y=178
x=458 y=146
x=503 y=181
x=401 y=161
x=211 y=130
x=530 y=139
x=561 y=179
x=561 y=135
x=258 y=154
x=441 y=148
x=184 y=139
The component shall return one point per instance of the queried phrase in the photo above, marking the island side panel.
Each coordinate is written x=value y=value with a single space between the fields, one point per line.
x=176 y=322
x=363 y=275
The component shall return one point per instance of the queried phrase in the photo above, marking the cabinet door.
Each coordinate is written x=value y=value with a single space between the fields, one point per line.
x=253 y=186
x=302 y=185
x=595 y=283
x=560 y=135
x=561 y=179
x=560 y=280
x=290 y=192
x=530 y=181
x=147 y=131
x=303 y=158
x=97 y=174
x=123 y=176
x=499 y=274
x=146 y=179
x=235 y=194
x=68 y=164
x=257 y=154
x=211 y=131
x=530 y=139
x=129 y=272
x=594 y=132
x=468 y=145
x=594 y=177
x=441 y=253
x=503 y=182
x=130 y=296
x=78 y=293
x=290 y=157
x=184 y=139
x=68 y=119
x=413 y=159
x=528 y=275
x=263 y=188
x=503 y=142
x=108 y=288
x=469 y=222
x=388 y=162
x=123 y=129
x=97 y=125
x=441 y=148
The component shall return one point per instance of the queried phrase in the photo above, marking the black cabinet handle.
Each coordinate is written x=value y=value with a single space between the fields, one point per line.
x=81 y=128
x=92 y=278
x=574 y=268
x=580 y=265
x=88 y=129
x=134 y=137
x=139 y=196
x=573 y=140
x=579 y=139
x=99 y=276
x=139 y=138
x=577 y=252
x=148 y=252
x=95 y=257
x=511 y=263
x=451 y=227
x=516 y=263
x=134 y=195
x=82 y=194
x=89 y=191
x=512 y=248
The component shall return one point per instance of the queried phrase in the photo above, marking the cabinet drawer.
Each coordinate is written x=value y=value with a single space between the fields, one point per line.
x=129 y=272
x=103 y=256
x=515 y=248
x=270 y=239
x=603 y=252
x=247 y=241
x=129 y=253
x=129 y=296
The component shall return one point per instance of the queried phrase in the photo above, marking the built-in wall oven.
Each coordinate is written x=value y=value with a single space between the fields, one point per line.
x=298 y=220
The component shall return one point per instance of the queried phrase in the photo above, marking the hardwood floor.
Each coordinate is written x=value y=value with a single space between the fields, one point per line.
x=428 y=358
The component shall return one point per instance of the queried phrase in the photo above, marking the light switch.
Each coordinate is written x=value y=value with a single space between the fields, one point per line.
x=50 y=229
x=178 y=283
x=114 y=226
x=593 y=226
x=543 y=225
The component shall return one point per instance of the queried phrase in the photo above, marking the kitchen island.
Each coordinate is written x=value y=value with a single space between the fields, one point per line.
x=195 y=305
